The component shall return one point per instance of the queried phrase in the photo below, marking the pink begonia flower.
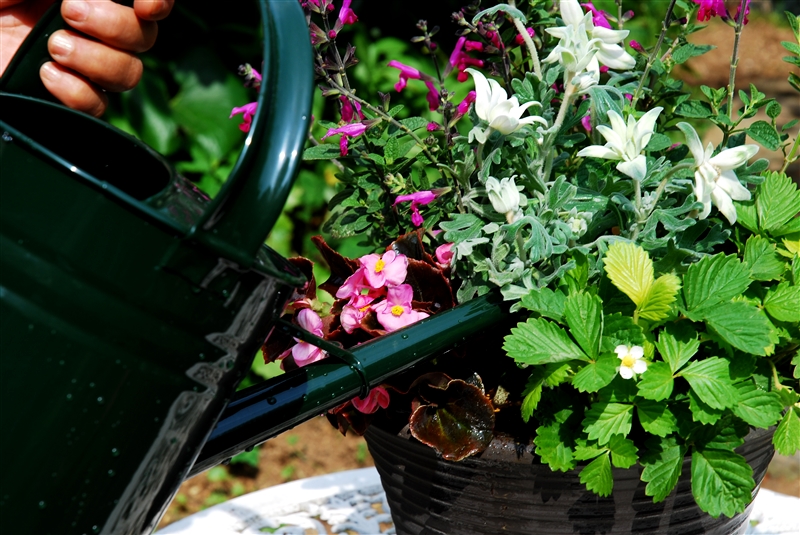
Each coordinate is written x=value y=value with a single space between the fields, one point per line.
x=420 y=197
x=433 y=96
x=349 y=110
x=347 y=131
x=247 y=111
x=303 y=352
x=356 y=285
x=598 y=16
x=444 y=254
x=377 y=397
x=395 y=311
x=388 y=269
x=461 y=61
x=521 y=40
x=354 y=311
x=406 y=72
x=587 y=122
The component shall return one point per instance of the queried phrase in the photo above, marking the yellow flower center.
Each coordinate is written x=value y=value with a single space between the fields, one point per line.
x=628 y=361
x=397 y=310
x=379 y=265
x=364 y=309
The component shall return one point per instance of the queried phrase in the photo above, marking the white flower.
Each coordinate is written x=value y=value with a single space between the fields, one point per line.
x=714 y=179
x=580 y=34
x=632 y=360
x=503 y=194
x=625 y=142
x=493 y=106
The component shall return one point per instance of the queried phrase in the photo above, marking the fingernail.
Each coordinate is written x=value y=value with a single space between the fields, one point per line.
x=77 y=10
x=49 y=71
x=61 y=44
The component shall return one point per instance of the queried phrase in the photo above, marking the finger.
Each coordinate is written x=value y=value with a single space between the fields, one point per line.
x=111 y=69
x=111 y=23
x=153 y=9
x=74 y=91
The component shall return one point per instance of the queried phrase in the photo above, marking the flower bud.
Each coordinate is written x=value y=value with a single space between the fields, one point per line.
x=503 y=194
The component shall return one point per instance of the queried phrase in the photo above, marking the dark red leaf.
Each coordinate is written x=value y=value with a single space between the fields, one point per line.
x=341 y=267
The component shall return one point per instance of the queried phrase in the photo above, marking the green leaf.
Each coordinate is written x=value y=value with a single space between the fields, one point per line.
x=546 y=302
x=685 y=52
x=787 y=434
x=757 y=407
x=783 y=302
x=584 y=315
x=662 y=294
x=773 y=109
x=538 y=341
x=722 y=482
x=657 y=382
x=656 y=418
x=414 y=123
x=777 y=200
x=746 y=214
x=620 y=330
x=764 y=133
x=596 y=375
x=323 y=151
x=712 y=280
x=710 y=380
x=556 y=453
x=623 y=452
x=597 y=476
x=677 y=345
x=695 y=109
x=662 y=469
x=605 y=420
x=702 y=412
x=762 y=257
x=658 y=142
x=148 y=108
x=505 y=8
x=630 y=269
x=742 y=325
x=531 y=396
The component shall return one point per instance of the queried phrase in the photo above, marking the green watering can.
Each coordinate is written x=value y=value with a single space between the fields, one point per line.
x=131 y=304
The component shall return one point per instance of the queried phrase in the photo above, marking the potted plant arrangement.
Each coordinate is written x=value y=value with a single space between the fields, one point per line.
x=652 y=361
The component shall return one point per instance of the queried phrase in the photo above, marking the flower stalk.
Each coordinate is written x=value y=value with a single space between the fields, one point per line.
x=735 y=57
x=654 y=54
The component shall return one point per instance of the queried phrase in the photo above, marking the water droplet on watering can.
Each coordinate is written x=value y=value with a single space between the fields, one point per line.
x=91 y=385
x=42 y=504
x=69 y=396
x=202 y=356
x=95 y=529
x=74 y=381
x=111 y=473
x=271 y=400
x=30 y=326
x=100 y=400
x=60 y=362
x=114 y=452
x=104 y=185
x=8 y=138
x=405 y=337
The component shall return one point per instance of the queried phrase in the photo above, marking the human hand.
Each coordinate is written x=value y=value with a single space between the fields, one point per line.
x=84 y=67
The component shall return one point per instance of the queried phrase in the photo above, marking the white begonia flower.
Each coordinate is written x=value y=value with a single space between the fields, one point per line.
x=493 y=106
x=632 y=360
x=503 y=194
x=714 y=179
x=625 y=142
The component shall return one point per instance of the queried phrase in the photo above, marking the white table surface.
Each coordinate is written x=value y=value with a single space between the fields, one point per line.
x=354 y=500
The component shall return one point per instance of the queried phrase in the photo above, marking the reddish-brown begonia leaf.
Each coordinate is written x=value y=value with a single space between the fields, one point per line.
x=430 y=284
x=412 y=246
x=460 y=424
x=276 y=343
x=309 y=289
x=341 y=267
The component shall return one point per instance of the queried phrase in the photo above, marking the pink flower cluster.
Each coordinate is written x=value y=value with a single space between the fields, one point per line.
x=410 y=73
x=717 y=8
x=460 y=60
x=416 y=199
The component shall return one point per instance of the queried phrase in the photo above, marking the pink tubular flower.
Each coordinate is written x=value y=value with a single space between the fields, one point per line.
x=463 y=106
x=433 y=127
x=388 y=269
x=346 y=15
x=444 y=254
x=433 y=96
x=247 y=111
x=420 y=197
x=347 y=131
x=349 y=110
x=473 y=45
x=521 y=40
x=598 y=16
x=587 y=122
x=303 y=352
x=354 y=311
x=637 y=47
x=711 y=8
x=395 y=311
x=406 y=72
x=377 y=397
x=461 y=61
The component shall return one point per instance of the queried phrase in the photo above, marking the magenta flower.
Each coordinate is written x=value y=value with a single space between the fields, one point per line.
x=521 y=40
x=420 y=197
x=406 y=72
x=346 y=15
x=598 y=16
x=388 y=269
x=303 y=352
x=637 y=47
x=354 y=311
x=395 y=311
x=461 y=61
x=473 y=45
x=247 y=111
x=433 y=127
x=377 y=397
x=347 y=131
x=349 y=110
x=711 y=8
x=587 y=122
x=433 y=96
x=463 y=106
x=356 y=285
x=444 y=254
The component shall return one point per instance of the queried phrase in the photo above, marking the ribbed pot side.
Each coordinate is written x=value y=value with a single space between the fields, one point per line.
x=506 y=491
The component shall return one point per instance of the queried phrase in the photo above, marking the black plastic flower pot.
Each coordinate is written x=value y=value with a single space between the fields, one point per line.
x=507 y=490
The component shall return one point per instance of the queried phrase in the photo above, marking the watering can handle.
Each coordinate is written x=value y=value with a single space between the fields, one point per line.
x=236 y=223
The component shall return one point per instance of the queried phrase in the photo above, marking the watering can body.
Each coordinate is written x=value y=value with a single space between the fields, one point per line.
x=131 y=304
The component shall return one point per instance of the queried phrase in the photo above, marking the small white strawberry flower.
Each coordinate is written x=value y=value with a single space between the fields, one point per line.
x=632 y=360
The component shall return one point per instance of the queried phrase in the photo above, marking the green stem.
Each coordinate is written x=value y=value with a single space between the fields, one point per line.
x=792 y=154
x=537 y=67
x=735 y=57
x=569 y=91
x=651 y=60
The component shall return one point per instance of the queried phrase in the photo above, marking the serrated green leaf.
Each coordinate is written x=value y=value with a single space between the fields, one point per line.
x=585 y=450
x=656 y=418
x=658 y=142
x=546 y=302
x=777 y=200
x=657 y=382
x=783 y=302
x=722 y=482
x=554 y=452
x=597 y=476
x=662 y=469
x=695 y=109
x=742 y=325
x=623 y=452
x=712 y=280
x=677 y=345
x=662 y=294
x=620 y=330
x=757 y=407
x=531 y=397
x=685 y=52
x=630 y=269
x=787 y=434
x=763 y=132
x=323 y=151
x=762 y=258
x=584 y=315
x=539 y=341
x=605 y=420
x=746 y=214
x=710 y=380
x=596 y=375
